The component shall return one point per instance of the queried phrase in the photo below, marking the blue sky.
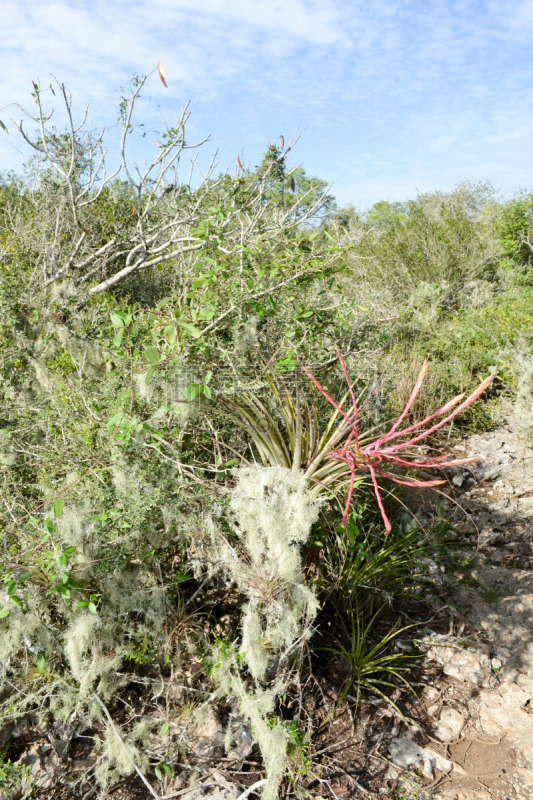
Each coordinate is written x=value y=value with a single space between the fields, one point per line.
x=389 y=97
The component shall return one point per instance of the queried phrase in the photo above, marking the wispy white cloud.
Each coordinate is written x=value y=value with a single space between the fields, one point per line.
x=428 y=94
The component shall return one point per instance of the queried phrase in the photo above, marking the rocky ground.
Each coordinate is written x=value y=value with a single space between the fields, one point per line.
x=478 y=708
x=470 y=725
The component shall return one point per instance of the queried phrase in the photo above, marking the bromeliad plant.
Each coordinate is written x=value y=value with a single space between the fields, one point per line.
x=330 y=456
x=301 y=442
x=379 y=453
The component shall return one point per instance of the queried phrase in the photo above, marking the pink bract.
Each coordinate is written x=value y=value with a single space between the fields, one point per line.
x=380 y=453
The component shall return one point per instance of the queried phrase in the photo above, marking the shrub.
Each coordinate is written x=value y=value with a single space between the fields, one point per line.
x=437 y=243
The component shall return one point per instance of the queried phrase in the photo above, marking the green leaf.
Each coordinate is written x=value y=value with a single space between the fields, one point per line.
x=167 y=770
x=199 y=283
x=148 y=376
x=152 y=355
x=116 y=320
x=62 y=560
x=11 y=587
x=92 y=608
x=181 y=576
x=163 y=303
x=4 y=613
x=65 y=575
x=69 y=550
x=49 y=525
x=117 y=340
x=147 y=554
x=164 y=729
x=192 y=391
x=158 y=772
x=208 y=376
x=351 y=532
x=58 y=507
x=16 y=599
x=41 y=663
x=45 y=538
x=82 y=604
x=191 y=329
x=3 y=126
x=207 y=392
x=24 y=575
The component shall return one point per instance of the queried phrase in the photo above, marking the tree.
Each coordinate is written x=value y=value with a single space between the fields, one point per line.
x=291 y=189
x=75 y=234
x=384 y=215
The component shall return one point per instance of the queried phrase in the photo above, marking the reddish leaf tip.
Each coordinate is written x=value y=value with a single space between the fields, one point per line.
x=162 y=74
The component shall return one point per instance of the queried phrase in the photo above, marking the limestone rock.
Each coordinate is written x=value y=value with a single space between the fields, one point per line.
x=469 y=662
x=405 y=753
x=450 y=725
x=241 y=739
x=206 y=739
x=503 y=710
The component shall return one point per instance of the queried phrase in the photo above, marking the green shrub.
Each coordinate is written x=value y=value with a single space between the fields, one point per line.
x=438 y=240
x=515 y=230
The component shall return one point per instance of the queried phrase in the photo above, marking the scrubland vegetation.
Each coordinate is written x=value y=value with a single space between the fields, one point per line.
x=169 y=491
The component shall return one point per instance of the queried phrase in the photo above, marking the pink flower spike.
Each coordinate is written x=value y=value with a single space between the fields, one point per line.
x=432 y=462
x=374 y=455
x=326 y=395
x=349 y=500
x=354 y=402
x=446 y=407
x=409 y=483
x=457 y=462
x=469 y=400
x=388 y=526
x=412 y=398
